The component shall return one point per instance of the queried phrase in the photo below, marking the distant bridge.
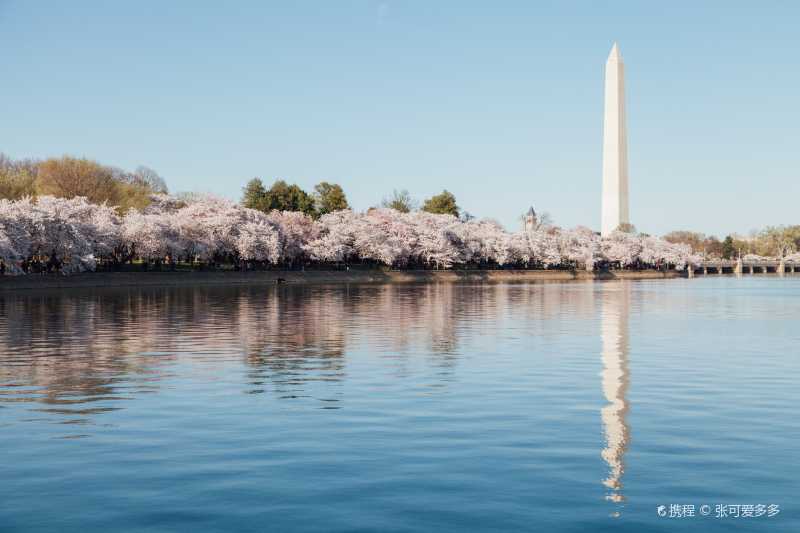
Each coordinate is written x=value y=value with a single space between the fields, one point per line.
x=730 y=266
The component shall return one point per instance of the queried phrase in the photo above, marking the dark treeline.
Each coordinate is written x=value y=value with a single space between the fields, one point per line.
x=68 y=177
x=329 y=197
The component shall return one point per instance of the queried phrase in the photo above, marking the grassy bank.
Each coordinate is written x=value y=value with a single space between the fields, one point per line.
x=128 y=279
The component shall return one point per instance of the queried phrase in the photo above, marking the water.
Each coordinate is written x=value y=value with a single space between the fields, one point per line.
x=439 y=407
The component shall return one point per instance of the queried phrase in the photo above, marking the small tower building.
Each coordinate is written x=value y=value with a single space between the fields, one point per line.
x=529 y=220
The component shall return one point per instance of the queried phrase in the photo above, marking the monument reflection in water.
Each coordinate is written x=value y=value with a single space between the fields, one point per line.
x=614 y=310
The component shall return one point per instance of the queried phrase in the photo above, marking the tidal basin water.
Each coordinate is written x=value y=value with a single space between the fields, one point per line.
x=432 y=407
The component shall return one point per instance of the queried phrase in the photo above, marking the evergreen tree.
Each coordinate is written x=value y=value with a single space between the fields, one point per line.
x=280 y=197
x=728 y=248
x=284 y=197
x=329 y=197
x=441 y=204
x=254 y=195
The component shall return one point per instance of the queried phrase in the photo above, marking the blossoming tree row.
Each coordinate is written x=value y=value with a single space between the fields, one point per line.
x=72 y=235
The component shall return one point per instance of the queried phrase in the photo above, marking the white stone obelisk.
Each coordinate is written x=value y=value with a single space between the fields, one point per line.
x=615 y=147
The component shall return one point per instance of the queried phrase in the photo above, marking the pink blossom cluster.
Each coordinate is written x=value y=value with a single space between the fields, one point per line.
x=74 y=231
x=76 y=234
x=401 y=239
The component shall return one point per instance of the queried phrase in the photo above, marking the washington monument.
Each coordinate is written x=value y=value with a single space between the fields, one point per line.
x=615 y=147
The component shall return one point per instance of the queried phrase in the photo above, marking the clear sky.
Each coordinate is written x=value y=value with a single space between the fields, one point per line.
x=498 y=102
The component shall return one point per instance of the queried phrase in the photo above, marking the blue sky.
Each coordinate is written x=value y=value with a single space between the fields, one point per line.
x=498 y=102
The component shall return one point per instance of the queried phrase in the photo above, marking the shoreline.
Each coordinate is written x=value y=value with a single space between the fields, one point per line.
x=316 y=277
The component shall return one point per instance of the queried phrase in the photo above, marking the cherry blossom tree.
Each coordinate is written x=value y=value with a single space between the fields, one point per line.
x=386 y=236
x=151 y=235
x=438 y=243
x=580 y=246
x=335 y=238
x=296 y=230
x=69 y=232
x=544 y=246
x=73 y=233
x=16 y=228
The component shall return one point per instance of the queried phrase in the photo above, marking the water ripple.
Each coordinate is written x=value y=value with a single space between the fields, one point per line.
x=486 y=407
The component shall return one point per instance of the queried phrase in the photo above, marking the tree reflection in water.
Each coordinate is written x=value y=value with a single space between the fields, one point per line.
x=76 y=354
x=67 y=350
